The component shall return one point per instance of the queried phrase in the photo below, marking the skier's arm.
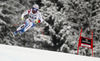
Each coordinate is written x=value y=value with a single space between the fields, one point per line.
x=40 y=19
x=25 y=13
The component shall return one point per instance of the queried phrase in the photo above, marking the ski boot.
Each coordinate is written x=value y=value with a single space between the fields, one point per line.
x=16 y=32
x=22 y=31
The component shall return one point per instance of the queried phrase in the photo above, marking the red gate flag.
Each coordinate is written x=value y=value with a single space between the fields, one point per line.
x=85 y=42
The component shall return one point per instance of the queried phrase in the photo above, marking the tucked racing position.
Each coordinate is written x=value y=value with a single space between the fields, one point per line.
x=34 y=18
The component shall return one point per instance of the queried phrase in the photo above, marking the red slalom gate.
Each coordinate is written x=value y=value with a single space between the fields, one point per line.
x=85 y=42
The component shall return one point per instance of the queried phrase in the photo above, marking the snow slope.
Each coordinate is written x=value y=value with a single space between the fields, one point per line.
x=13 y=53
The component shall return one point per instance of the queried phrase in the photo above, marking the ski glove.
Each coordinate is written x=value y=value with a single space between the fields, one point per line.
x=37 y=21
x=22 y=18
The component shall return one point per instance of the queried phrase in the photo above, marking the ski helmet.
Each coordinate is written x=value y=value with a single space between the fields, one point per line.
x=36 y=6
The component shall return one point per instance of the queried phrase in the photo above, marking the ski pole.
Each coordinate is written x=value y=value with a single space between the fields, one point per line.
x=42 y=32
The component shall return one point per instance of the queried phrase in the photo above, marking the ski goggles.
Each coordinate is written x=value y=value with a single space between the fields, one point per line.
x=35 y=9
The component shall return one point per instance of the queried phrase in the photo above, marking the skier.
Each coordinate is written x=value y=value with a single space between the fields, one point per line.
x=34 y=18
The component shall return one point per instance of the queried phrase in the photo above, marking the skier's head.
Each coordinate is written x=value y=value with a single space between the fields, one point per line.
x=35 y=8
